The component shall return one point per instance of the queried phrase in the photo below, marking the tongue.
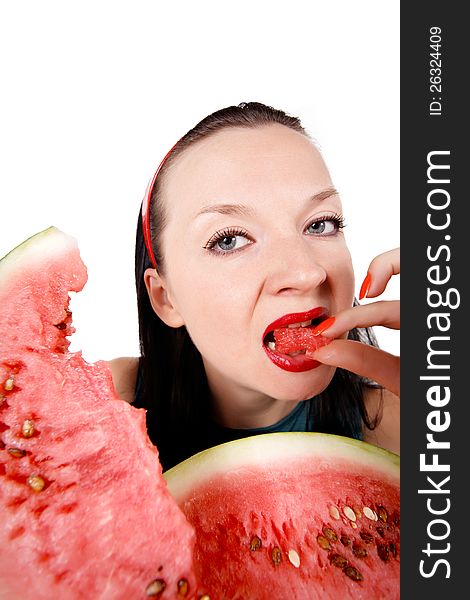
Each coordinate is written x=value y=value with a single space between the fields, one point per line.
x=289 y=340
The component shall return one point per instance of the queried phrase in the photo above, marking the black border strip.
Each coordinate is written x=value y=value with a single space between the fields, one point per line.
x=434 y=267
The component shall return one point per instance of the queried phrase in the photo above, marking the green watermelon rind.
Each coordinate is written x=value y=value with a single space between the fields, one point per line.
x=267 y=450
x=46 y=243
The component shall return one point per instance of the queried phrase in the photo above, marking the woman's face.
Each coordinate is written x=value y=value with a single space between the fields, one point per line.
x=252 y=237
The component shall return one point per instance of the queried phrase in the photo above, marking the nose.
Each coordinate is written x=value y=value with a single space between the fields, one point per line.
x=294 y=266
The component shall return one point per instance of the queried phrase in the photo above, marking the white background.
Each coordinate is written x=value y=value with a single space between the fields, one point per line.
x=94 y=93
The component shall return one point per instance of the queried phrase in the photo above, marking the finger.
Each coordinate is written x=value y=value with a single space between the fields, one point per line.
x=364 y=360
x=379 y=273
x=383 y=312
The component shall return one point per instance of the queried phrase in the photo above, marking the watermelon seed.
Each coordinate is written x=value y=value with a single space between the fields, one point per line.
x=9 y=384
x=366 y=536
x=383 y=552
x=345 y=540
x=369 y=513
x=255 y=543
x=353 y=525
x=382 y=513
x=276 y=555
x=294 y=558
x=182 y=587
x=27 y=429
x=353 y=573
x=323 y=542
x=338 y=561
x=359 y=550
x=380 y=531
x=357 y=512
x=155 y=588
x=36 y=483
x=334 y=512
x=349 y=513
x=393 y=549
x=16 y=452
x=330 y=534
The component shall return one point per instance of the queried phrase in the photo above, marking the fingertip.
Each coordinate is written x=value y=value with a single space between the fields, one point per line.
x=365 y=286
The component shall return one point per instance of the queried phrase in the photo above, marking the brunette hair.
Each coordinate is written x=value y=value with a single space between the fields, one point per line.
x=172 y=384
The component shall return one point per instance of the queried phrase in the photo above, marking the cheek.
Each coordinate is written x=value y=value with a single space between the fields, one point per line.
x=215 y=308
x=341 y=279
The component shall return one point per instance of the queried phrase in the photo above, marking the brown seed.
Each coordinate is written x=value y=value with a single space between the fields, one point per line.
x=27 y=429
x=9 y=384
x=276 y=555
x=358 y=512
x=323 y=542
x=353 y=525
x=393 y=549
x=338 y=561
x=17 y=452
x=396 y=518
x=353 y=573
x=380 y=531
x=330 y=534
x=383 y=552
x=359 y=550
x=345 y=540
x=36 y=483
x=61 y=325
x=382 y=513
x=183 y=587
x=255 y=543
x=155 y=588
x=366 y=536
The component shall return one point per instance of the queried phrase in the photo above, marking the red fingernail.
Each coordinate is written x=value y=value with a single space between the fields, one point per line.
x=324 y=325
x=365 y=287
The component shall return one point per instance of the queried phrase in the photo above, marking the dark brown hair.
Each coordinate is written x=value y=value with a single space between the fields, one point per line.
x=172 y=384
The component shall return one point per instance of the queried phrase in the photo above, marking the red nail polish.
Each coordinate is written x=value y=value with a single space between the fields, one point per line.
x=324 y=325
x=365 y=287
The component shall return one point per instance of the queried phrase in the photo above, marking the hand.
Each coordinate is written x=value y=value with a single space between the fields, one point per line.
x=358 y=357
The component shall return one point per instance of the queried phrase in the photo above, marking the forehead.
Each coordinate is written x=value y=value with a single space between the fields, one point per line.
x=242 y=162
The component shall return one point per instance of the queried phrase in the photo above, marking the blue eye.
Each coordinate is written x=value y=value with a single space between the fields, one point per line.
x=326 y=225
x=228 y=240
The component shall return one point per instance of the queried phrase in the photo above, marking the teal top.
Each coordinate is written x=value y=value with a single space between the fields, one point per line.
x=296 y=420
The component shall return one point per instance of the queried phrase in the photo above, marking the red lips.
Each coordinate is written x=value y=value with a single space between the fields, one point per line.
x=300 y=362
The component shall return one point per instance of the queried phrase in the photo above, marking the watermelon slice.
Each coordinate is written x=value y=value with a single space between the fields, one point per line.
x=294 y=515
x=288 y=340
x=85 y=511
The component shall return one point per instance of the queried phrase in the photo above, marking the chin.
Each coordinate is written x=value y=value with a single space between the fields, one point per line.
x=301 y=386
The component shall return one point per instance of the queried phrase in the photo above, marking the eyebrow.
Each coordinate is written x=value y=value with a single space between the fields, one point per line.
x=243 y=210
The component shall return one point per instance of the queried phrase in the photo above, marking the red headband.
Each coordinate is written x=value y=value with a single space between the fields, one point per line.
x=146 y=212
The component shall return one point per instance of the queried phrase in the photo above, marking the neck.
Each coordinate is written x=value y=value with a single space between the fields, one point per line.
x=242 y=408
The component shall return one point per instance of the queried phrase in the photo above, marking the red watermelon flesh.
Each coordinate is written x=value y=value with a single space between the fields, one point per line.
x=294 y=515
x=85 y=511
x=289 y=339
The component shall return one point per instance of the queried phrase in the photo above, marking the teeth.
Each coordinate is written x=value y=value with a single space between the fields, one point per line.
x=303 y=324
x=272 y=345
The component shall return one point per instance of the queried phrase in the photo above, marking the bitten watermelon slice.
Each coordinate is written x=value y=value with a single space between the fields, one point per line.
x=85 y=512
x=294 y=515
x=288 y=340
